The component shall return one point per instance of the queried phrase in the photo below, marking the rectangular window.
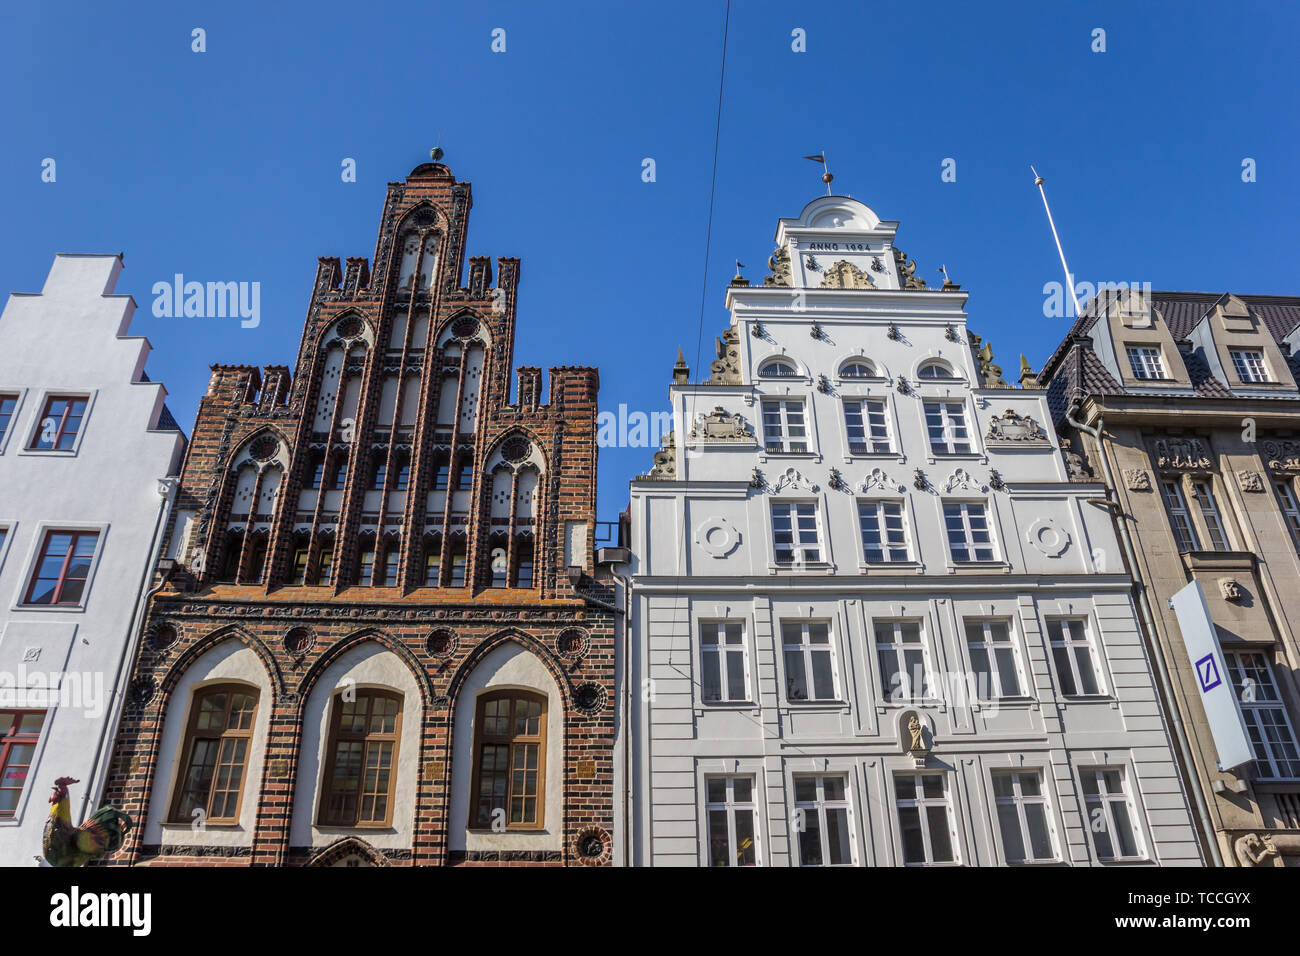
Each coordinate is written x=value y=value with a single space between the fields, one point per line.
x=381 y=474
x=733 y=821
x=366 y=569
x=968 y=531
x=868 y=429
x=403 y=476
x=1111 y=814
x=1146 y=362
x=1210 y=515
x=1179 y=516
x=809 y=662
x=924 y=819
x=783 y=426
x=458 y=571
x=8 y=403
x=325 y=566
x=1290 y=508
x=794 y=533
x=465 y=480
x=62 y=568
x=1249 y=364
x=1074 y=657
x=60 y=421
x=298 y=574
x=341 y=476
x=883 y=535
x=993 y=659
x=945 y=422
x=441 y=473
x=900 y=649
x=1271 y=735
x=1023 y=817
x=317 y=474
x=723 y=662
x=433 y=566
x=391 y=556
x=822 y=818
x=20 y=731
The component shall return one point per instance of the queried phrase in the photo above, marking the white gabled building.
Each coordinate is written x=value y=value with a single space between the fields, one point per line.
x=86 y=446
x=873 y=620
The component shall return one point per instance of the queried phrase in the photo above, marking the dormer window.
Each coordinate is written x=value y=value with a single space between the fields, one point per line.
x=936 y=369
x=858 y=368
x=1250 y=365
x=778 y=368
x=1146 y=362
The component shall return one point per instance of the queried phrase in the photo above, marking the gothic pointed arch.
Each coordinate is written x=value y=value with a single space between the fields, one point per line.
x=365 y=635
x=347 y=851
x=206 y=643
x=529 y=643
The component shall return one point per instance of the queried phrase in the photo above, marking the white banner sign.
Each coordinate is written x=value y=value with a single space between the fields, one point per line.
x=1212 y=680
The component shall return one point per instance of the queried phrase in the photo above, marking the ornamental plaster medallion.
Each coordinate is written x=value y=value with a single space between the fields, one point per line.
x=717 y=537
x=791 y=478
x=442 y=644
x=590 y=699
x=572 y=644
x=719 y=426
x=1137 y=479
x=845 y=275
x=1014 y=429
x=961 y=480
x=1047 y=537
x=298 y=640
x=878 y=480
x=1230 y=588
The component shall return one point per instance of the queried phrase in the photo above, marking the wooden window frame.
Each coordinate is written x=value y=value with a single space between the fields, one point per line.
x=366 y=738
x=187 y=748
x=7 y=418
x=10 y=720
x=510 y=739
x=61 y=430
x=62 y=580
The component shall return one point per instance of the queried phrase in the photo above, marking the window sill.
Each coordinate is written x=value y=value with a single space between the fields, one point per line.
x=50 y=452
x=912 y=567
x=177 y=826
x=518 y=831
x=728 y=704
x=811 y=567
x=349 y=828
x=49 y=608
x=830 y=703
x=764 y=454
x=957 y=566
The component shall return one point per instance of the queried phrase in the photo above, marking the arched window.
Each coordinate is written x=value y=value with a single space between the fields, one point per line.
x=218 y=737
x=410 y=253
x=858 y=368
x=935 y=369
x=509 y=776
x=778 y=368
x=362 y=764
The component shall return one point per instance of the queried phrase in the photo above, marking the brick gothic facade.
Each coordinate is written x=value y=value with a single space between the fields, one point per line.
x=385 y=526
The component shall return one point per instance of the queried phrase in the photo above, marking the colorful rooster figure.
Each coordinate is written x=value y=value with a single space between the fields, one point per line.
x=66 y=845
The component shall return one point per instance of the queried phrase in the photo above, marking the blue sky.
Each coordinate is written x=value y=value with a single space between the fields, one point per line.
x=225 y=165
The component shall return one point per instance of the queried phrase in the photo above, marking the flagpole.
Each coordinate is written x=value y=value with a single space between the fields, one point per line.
x=1069 y=279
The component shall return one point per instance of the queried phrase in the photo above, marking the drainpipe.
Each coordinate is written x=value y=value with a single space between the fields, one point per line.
x=166 y=490
x=626 y=702
x=1153 y=642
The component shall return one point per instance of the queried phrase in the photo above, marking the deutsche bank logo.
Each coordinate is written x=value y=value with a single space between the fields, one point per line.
x=1207 y=672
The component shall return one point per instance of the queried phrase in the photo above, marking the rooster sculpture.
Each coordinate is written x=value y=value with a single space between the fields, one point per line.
x=67 y=845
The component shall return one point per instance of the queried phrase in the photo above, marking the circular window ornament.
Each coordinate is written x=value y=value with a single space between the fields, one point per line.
x=263 y=448
x=298 y=640
x=717 y=537
x=142 y=691
x=163 y=635
x=350 y=327
x=442 y=644
x=515 y=449
x=590 y=698
x=1047 y=537
x=465 y=328
x=572 y=644
x=593 y=846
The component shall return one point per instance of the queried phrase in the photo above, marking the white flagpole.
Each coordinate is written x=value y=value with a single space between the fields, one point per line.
x=1069 y=279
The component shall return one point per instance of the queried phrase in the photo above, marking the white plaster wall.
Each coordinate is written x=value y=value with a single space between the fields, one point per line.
x=509 y=665
x=367 y=665
x=72 y=338
x=230 y=661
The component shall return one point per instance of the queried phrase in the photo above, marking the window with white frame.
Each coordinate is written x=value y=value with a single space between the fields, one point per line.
x=724 y=665
x=809 y=660
x=925 y=824
x=858 y=368
x=1024 y=817
x=779 y=368
x=1290 y=508
x=732 y=820
x=969 y=538
x=1146 y=362
x=1111 y=814
x=867 y=426
x=884 y=532
x=1073 y=654
x=823 y=820
x=784 y=428
x=993 y=658
x=900 y=649
x=936 y=369
x=1214 y=529
x=795 y=538
x=1272 y=737
x=1250 y=365
x=1180 y=516
x=945 y=423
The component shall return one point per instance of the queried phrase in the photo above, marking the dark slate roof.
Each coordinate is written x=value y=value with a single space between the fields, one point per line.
x=166 y=421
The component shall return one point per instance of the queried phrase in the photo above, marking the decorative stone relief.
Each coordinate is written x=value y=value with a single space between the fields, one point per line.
x=665 y=463
x=1045 y=535
x=1182 y=453
x=879 y=481
x=1075 y=467
x=792 y=479
x=1281 y=454
x=1230 y=588
x=1015 y=429
x=717 y=537
x=726 y=370
x=1250 y=481
x=1137 y=479
x=990 y=374
x=907 y=271
x=779 y=264
x=961 y=480
x=1255 y=850
x=718 y=426
x=845 y=275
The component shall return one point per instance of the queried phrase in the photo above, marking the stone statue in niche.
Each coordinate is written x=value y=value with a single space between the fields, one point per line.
x=717 y=425
x=845 y=275
x=917 y=732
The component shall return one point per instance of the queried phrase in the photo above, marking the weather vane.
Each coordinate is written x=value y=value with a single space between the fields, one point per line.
x=826 y=173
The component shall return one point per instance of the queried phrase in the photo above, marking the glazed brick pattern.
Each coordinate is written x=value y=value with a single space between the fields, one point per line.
x=244 y=402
